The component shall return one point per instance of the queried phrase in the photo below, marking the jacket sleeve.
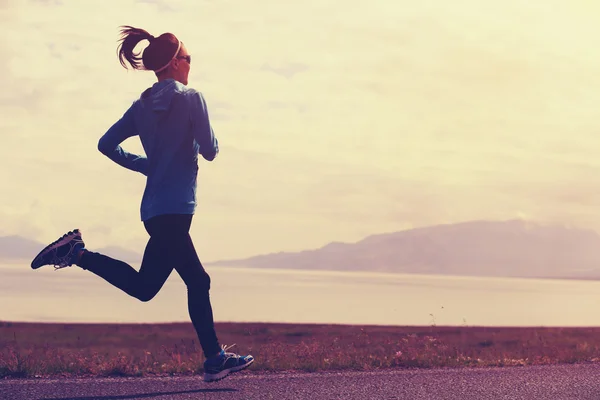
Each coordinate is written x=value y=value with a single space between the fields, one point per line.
x=110 y=144
x=203 y=132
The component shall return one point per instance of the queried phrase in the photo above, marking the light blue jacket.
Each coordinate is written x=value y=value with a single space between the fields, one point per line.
x=172 y=122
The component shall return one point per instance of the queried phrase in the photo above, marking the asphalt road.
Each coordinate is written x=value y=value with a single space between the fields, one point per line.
x=561 y=382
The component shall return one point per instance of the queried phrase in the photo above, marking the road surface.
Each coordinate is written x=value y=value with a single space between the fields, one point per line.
x=580 y=381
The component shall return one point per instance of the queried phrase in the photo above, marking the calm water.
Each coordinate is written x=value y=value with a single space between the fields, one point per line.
x=238 y=294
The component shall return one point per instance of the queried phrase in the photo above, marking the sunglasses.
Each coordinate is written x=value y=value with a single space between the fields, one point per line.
x=187 y=58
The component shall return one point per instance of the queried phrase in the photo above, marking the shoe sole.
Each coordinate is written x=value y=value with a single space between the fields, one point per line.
x=225 y=373
x=68 y=237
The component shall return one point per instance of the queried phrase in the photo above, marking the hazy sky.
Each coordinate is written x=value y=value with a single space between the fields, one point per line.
x=336 y=119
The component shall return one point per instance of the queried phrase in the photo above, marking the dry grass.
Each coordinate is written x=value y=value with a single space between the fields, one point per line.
x=49 y=350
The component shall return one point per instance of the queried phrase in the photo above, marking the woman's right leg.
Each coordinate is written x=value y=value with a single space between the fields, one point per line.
x=154 y=272
x=170 y=247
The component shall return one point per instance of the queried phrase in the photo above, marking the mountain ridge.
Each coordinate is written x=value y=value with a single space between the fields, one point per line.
x=516 y=248
x=509 y=248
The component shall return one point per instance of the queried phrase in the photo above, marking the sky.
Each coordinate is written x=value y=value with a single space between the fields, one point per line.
x=336 y=119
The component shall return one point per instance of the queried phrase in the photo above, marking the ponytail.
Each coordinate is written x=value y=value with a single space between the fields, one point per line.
x=130 y=37
x=155 y=57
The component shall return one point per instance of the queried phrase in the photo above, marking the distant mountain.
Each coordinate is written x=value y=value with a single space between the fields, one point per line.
x=513 y=248
x=19 y=248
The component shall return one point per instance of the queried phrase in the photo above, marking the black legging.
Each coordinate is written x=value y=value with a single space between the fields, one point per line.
x=170 y=246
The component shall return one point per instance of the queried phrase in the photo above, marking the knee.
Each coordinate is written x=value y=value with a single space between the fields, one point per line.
x=204 y=282
x=145 y=296
x=200 y=283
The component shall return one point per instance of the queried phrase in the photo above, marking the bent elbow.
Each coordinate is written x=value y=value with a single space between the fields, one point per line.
x=103 y=146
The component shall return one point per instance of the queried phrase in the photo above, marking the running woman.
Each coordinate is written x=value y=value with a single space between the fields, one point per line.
x=171 y=120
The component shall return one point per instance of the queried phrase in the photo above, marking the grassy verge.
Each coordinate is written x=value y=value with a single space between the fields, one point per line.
x=51 y=350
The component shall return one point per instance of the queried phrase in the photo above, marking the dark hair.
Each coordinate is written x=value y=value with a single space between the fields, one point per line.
x=155 y=56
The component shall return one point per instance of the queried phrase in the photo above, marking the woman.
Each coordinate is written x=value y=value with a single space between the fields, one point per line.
x=172 y=122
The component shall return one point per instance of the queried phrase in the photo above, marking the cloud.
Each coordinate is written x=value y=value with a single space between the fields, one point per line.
x=390 y=115
x=161 y=5
x=51 y=3
x=288 y=71
x=221 y=111
x=273 y=105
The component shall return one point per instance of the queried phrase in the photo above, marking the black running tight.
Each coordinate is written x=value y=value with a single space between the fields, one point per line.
x=169 y=247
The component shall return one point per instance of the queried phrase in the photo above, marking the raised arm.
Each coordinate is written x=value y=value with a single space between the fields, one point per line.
x=203 y=132
x=110 y=144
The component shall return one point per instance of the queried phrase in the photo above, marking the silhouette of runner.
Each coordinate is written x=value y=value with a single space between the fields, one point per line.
x=171 y=120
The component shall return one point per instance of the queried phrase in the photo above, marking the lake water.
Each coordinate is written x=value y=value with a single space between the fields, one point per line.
x=261 y=295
